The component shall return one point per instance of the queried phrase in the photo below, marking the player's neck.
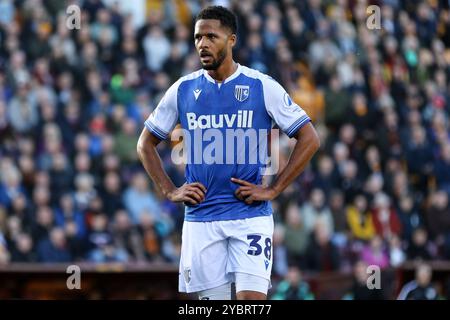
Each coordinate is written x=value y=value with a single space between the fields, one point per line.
x=226 y=69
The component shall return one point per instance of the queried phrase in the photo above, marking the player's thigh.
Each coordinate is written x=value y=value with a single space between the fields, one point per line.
x=250 y=248
x=204 y=257
x=250 y=286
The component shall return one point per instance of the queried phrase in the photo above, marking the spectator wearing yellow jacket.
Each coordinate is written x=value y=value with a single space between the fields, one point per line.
x=360 y=220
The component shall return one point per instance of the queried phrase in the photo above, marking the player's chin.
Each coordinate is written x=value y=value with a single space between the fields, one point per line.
x=209 y=66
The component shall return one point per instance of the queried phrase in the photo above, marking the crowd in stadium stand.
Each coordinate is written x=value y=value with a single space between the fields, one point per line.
x=73 y=103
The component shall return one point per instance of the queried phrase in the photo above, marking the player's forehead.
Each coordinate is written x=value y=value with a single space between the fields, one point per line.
x=205 y=26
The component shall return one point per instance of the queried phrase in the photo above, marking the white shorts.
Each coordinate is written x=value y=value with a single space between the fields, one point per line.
x=212 y=252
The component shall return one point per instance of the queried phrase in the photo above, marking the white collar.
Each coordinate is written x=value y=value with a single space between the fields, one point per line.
x=231 y=77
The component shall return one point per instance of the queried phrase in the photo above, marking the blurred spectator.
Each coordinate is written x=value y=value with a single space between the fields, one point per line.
x=385 y=218
x=102 y=27
x=83 y=164
x=322 y=254
x=101 y=243
x=44 y=222
x=139 y=200
x=127 y=237
x=316 y=210
x=111 y=193
x=293 y=287
x=85 y=192
x=337 y=103
x=337 y=208
x=41 y=196
x=326 y=177
x=66 y=213
x=409 y=216
x=323 y=47
x=75 y=242
x=388 y=135
x=419 y=158
x=280 y=259
x=438 y=220
x=4 y=253
x=20 y=209
x=13 y=227
x=23 y=250
x=421 y=287
x=397 y=253
x=420 y=248
x=156 y=47
x=60 y=176
x=22 y=109
x=53 y=248
x=360 y=219
x=360 y=289
x=375 y=254
x=349 y=183
x=152 y=241
x=125 y=142
x=442 y=168
x=296 y=236
x=10 y=185
x=362 y=115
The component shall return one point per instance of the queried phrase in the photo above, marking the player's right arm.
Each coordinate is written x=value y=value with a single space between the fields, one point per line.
x=157 y=127
x=192 y=193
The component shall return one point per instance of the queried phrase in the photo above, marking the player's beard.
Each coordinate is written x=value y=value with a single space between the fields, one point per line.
x=216 y=63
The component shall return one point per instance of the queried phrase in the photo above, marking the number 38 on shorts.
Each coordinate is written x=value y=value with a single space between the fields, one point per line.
x=258 y=246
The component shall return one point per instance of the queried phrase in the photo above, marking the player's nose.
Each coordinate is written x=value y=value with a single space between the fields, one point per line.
x=203 y=44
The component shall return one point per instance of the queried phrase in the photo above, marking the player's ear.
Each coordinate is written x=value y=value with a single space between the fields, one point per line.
x=232 y=39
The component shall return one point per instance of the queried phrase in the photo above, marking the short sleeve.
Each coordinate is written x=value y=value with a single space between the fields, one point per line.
x=165 y=116
x=289 y=116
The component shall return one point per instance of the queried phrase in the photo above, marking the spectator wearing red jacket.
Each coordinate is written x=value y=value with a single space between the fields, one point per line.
x=385 y=219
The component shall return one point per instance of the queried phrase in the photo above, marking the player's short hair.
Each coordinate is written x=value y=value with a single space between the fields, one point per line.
x=226 y=17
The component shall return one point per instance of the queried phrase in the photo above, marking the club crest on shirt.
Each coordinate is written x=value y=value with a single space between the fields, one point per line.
x=241 y=92
x=187 y=275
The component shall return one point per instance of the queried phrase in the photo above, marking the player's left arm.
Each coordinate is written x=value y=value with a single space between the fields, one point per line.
x=294 y=121
x=306 y=146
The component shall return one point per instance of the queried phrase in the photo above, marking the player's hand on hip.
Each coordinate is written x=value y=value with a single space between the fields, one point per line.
x=249 y=192
x=189 y=193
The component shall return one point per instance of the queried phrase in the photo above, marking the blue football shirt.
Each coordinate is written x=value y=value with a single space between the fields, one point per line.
x=225 y=127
